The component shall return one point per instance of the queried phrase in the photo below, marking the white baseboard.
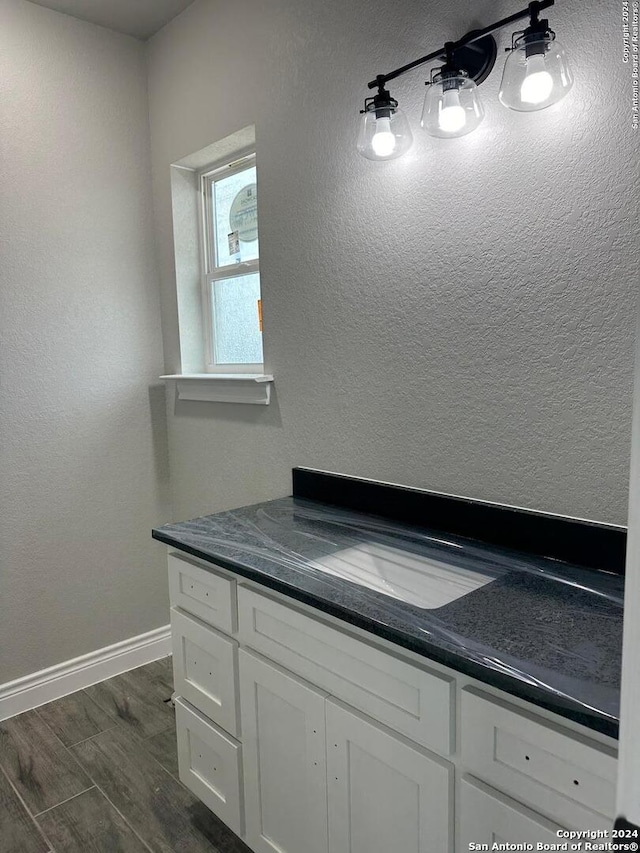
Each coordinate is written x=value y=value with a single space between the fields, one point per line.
x=34 y=690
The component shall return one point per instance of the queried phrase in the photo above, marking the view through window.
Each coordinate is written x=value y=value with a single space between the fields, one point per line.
x=232 y=267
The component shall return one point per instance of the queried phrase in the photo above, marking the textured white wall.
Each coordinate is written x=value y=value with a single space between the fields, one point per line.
x=460 y=319
x=82 y=451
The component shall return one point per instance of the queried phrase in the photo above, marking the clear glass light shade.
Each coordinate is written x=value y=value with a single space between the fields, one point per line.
x=536 y=75
x=451 y=107
x=385 y=136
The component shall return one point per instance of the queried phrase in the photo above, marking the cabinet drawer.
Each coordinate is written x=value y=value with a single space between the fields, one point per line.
x=209 y=765
x=558 y=772
x=409 y=699
x=208 y=595
x=205 y=669
x=488 y=817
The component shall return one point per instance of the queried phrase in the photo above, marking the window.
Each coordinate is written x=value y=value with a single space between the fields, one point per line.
x=231 y=264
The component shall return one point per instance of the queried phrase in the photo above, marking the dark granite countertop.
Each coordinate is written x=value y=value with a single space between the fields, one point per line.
x=544 y=630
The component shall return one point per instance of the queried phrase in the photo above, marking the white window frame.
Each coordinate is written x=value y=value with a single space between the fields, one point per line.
x=210 y=272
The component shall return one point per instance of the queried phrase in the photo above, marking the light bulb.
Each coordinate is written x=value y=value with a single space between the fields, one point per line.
x=538 y=83
x=384 y=130
x=536 y=73
x=452 y=116
x=383 y=142
x=451 y=106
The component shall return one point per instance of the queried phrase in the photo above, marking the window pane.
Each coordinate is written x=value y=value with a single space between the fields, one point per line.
x=237 y=338
x=235 y=217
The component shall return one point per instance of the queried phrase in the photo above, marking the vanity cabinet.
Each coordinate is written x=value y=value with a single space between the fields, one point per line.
x=305 y=736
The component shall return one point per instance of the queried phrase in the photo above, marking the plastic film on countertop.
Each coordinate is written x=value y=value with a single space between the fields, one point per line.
x=548 y=624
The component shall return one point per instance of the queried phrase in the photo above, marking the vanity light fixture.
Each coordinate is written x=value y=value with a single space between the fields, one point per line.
x=452 y=106
x=536 y=73
x=535 y=76
x=384 y=129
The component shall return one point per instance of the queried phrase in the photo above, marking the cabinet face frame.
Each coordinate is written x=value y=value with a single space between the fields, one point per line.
x=268 y=695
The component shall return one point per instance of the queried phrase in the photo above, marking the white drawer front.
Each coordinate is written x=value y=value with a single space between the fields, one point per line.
x=488 y=817
x=409 y=699
x=205 y=669
x=209 y=764
x=209 y=596
x=558 y=772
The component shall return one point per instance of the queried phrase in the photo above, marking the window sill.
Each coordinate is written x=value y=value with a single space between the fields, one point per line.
x=253 y=388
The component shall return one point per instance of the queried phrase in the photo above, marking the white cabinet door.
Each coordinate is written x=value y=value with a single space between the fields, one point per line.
x=384 y=795
x=487 y=817
x=285 y=777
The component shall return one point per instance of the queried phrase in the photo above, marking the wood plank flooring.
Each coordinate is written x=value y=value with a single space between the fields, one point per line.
x=75 y=718
x=89 y=822
x=36 y=762
x=17 y=830
x=97 y=772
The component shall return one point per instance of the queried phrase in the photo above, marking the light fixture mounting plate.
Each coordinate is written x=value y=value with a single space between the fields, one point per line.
x=476 y=58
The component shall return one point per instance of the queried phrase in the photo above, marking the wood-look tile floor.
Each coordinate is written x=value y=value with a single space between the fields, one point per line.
x=97 y=772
